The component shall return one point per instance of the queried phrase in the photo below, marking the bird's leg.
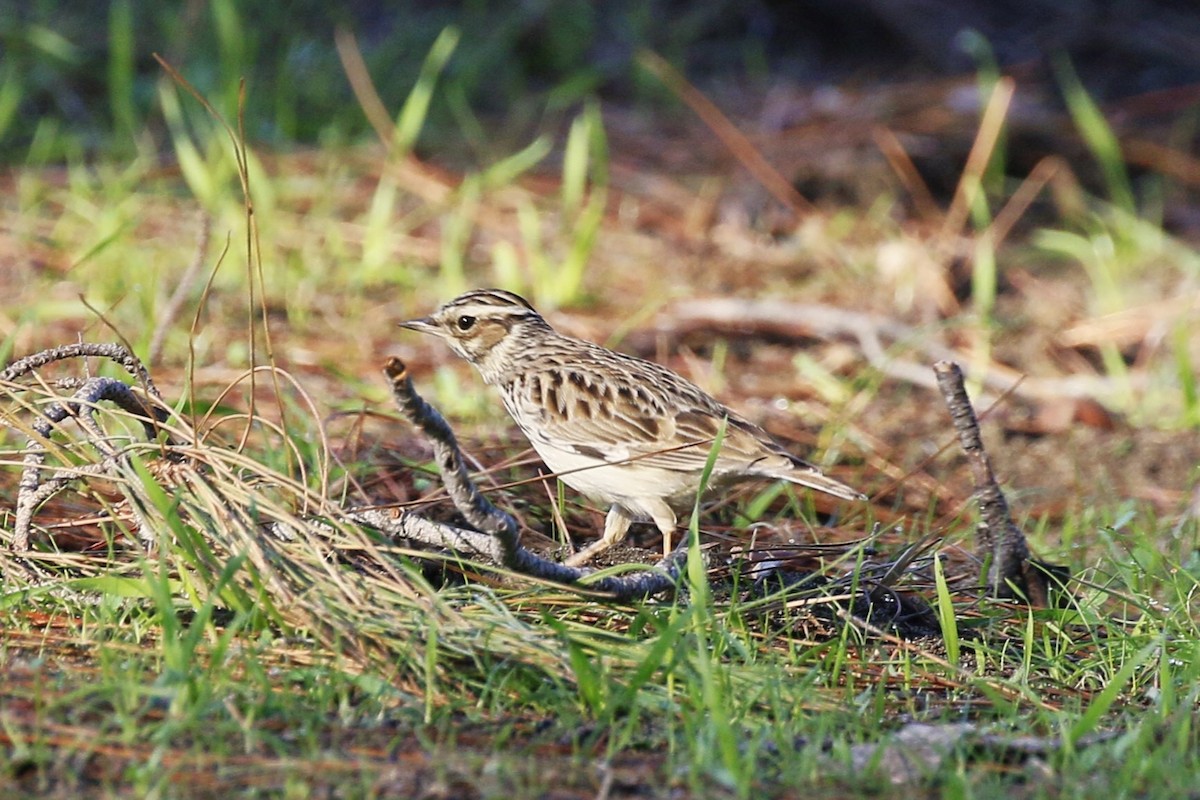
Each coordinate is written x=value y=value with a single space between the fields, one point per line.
x=616 y=526
x=664 y=520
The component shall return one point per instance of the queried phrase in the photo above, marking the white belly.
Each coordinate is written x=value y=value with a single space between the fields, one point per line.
x=629 y=485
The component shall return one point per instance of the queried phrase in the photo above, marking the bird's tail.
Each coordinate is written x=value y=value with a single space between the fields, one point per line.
x=813 y=478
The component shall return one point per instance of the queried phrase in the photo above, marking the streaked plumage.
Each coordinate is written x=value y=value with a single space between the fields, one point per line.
x=616 y=428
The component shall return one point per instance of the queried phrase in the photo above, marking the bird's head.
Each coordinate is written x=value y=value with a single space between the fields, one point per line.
x=483 y=326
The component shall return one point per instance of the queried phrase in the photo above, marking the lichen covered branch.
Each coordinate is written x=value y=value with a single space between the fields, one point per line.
x=483 y=516
x=113 y=352
x=1001 y=544
x=492 y=535
x=32 y=491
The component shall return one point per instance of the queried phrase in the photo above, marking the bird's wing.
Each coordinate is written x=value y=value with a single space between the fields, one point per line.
x=613 y=407
x=652 y=415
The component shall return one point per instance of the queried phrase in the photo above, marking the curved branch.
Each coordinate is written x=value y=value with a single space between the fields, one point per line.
x=113 y=352
x=31 y=490
x=500 y=526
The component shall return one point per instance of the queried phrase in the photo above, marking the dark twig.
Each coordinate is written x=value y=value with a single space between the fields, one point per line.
x=406 y=525
x=1000 y=542
x=32 y=491
x=494 y=538
x=113 y=352
x=485 y=517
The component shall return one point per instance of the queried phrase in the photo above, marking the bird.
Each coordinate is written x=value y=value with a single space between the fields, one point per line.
x=620 y=430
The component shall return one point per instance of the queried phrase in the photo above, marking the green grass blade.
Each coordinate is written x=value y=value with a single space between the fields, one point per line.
x=1112 y=691
x=416 y=106
x=947 y=619
x=121 y=45
x=1097 y=135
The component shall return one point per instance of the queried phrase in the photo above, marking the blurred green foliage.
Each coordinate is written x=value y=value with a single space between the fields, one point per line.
x=79 y=79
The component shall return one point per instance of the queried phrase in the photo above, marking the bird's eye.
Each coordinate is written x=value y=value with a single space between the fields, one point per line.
x=466 y=322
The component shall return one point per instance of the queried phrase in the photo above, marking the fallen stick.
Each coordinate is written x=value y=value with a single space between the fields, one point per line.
x=875 y=337
x=486 y=518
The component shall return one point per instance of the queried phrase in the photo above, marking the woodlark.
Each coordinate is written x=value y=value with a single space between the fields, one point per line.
x=621 y=430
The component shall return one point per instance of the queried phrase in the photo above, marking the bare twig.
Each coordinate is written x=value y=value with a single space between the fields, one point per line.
x=32 y=491
x=114 y=352
x=494 y=537
x=1001 y=543
x=874 y=334
x=485 y=517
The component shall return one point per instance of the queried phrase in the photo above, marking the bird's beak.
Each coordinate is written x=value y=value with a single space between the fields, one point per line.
x=422 y=325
